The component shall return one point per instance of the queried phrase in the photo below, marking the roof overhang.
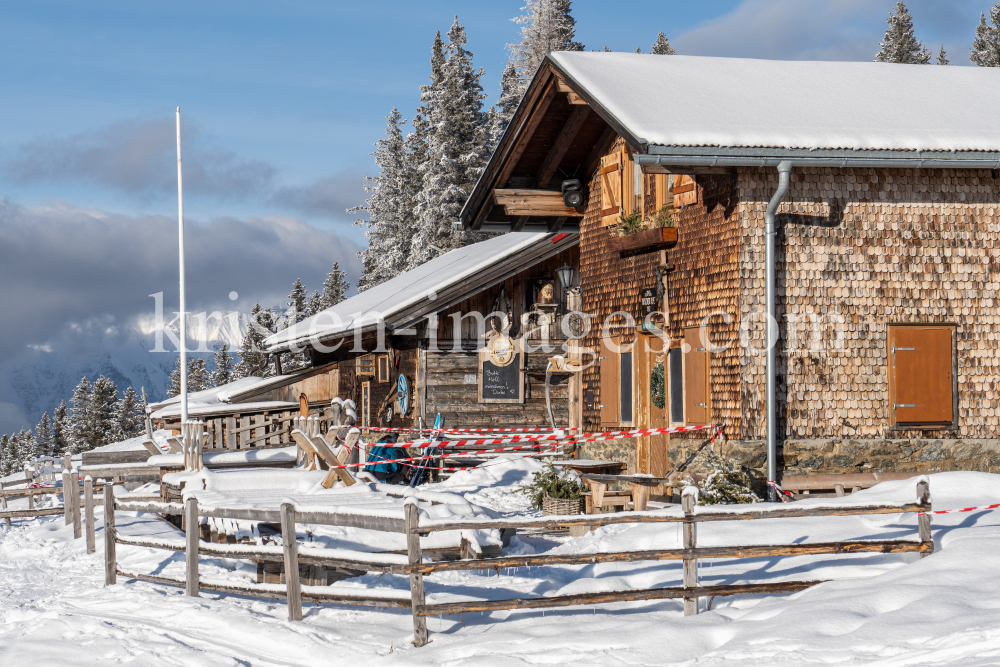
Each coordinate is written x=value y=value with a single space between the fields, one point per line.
x=674 y=159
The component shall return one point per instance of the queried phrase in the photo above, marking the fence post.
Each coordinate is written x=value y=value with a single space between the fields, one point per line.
x=67 y=497
x=193 y=527
x=416 y=580
x=110 y=555
x=688 y=499
x=292 y=586
x=30 y=476
x=88 y=505
x=3 y=504
x=924 y=519
x=74 y=481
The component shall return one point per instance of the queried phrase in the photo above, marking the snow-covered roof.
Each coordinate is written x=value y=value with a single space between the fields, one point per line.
x=217 y=400
x=741 y=102
x=423 y=283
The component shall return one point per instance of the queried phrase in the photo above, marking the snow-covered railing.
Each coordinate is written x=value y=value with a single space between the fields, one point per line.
x=414 y=564
x=70 y=507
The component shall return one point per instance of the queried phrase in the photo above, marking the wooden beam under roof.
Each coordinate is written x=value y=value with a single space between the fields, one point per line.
x=538 y=203
x=565 y=139
x=571 y=96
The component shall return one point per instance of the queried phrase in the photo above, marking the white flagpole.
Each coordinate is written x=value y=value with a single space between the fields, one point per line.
x=180 y=238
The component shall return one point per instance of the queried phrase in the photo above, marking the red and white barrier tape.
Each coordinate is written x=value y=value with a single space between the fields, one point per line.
x=386 y=429
x=781 y=492
x=965 y=509
x=569 y=439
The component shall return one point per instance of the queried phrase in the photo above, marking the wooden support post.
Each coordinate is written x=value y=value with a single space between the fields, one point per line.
x=193 y=527
x=230 y=436
x=924 y=519
x=110 y=555
x=416 y=580
x=3 y=504
x=688 y=499
x=291 y=545
x=31 y=477
x=67 y=498
x=88 y=504
x=68 y=462
x=74 y=494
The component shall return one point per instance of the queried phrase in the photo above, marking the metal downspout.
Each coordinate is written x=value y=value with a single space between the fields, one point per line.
x=784 y=177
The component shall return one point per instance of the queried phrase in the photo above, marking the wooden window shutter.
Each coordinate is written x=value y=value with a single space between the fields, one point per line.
x=921 y=383
x=697 y=408
x=610 y=388
x=685 y=191
x=611 y=188
x=661 y=191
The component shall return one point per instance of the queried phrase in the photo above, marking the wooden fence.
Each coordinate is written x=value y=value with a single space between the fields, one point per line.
x=70 y=508
x=416 y=567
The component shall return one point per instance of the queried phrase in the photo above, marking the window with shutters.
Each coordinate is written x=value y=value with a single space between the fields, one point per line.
x=616 y=383
x=675 y=367
x=921 y=376
x=697 y=392
x=611 y=188
x=625 y=386
x=365 y=364
x=685 y=190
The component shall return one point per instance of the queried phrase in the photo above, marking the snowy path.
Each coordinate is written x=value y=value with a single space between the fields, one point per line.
x=884 y=609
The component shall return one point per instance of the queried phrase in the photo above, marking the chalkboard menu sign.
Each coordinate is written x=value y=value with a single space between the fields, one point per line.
x=501 y=383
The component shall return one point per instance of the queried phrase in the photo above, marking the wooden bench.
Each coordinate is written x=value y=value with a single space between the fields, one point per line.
x=820 y=486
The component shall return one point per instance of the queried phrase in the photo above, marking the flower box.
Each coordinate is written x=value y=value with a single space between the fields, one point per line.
x=648 y=240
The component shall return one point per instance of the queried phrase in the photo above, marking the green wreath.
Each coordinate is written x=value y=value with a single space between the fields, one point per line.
x=656 y=386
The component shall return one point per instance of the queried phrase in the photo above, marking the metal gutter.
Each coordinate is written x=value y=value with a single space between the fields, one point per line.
x=715 y=156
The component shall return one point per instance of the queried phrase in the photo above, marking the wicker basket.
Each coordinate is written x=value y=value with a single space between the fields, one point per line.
x=562 y=505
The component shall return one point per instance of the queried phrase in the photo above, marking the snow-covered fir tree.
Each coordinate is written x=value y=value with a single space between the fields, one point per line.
x=899 y=44
x=942 y=58
x=546 y=25
x=456 y=151
x=101 y=413
x=7 y=457
x=199 y=378
x=985 y=50
x=314 y=303
x=390 y=208
x=503 y=109
x=78 y=431
x=224 y=367
x=335 y=287
x=296 y=304
x=253 y=361
x=43 y=436
x=24 y=447
x=661 y=46
x=129 y=420
x=60 y=429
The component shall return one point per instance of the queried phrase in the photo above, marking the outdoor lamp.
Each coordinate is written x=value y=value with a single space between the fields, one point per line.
x=572 y=192
x=565 y=276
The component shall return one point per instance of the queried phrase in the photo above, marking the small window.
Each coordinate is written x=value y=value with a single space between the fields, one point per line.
x=625 y=384
x=366 y=364
x=921 y=381
x=676 y=370
x=382 y=363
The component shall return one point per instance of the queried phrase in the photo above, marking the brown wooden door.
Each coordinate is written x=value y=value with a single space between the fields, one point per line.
x=609 y=388
x=697 y=410
x=922 y=383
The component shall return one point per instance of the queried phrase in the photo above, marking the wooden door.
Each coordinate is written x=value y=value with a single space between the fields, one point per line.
x=921 y=382
x=697 y=408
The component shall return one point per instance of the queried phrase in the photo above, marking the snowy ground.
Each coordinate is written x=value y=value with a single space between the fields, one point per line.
x=880 y=609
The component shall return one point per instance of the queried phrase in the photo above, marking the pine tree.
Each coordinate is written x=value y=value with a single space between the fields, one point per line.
x=103 y=396
x=314 y=304
x=899 y=45
x=174 y=381
x=198 y=376
x=6 y=457
x=942 y=58
x=224 y=367
x=60 y=430
x=335 y=287
x=129 y=419
x=503 y=109
x=24 y=448
x=456 y=151
x=661 y=46
x=78 y=431
x=297 y=303
x=546 y=25
x=43 y=436
x=390 y=208
x=253 y=362
x=985 y=50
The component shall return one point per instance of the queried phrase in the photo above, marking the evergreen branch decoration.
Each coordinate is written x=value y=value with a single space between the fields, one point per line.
x=657 y=388
x=554 y=483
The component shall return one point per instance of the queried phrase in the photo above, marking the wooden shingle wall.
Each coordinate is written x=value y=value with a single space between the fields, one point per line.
x=869 y=248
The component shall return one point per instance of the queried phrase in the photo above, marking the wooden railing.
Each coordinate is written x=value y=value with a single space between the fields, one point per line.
x=70 y=508
x=416 y=567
